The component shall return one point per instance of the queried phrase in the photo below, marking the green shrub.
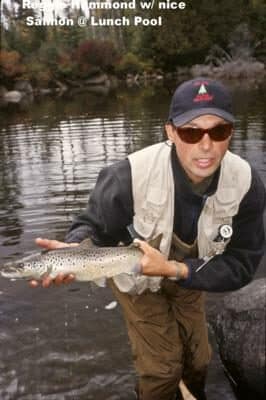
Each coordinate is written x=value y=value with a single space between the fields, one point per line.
x=129 y=64
x=38 y=73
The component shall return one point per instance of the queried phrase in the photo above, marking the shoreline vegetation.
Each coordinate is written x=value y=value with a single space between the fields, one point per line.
x=22 y=91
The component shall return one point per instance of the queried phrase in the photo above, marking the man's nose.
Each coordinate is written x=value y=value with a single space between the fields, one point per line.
x=206 y=142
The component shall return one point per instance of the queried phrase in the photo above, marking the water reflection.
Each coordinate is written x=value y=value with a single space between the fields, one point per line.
x=63 y=344
x=52 y=164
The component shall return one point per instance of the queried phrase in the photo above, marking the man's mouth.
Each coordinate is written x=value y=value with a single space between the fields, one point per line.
x=204 y=162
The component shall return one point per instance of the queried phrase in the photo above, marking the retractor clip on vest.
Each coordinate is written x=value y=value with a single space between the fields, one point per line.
x=225 y=232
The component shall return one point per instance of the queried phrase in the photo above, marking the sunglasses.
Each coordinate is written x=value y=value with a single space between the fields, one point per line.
x=194 y=135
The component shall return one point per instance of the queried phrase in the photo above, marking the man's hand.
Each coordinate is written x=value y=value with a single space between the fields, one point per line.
x=60 y=278
x=154 y=263
x=49 y=244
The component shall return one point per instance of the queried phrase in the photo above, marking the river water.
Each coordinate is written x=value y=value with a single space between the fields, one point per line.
x=63 y=344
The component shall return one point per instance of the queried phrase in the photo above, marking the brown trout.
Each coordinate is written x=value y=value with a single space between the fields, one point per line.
x=86 y=261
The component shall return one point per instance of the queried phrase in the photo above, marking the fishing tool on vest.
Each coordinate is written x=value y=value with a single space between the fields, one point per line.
x=133 y=233
x=225 y=232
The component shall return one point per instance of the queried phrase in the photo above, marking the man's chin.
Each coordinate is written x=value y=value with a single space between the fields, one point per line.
x=199 y=174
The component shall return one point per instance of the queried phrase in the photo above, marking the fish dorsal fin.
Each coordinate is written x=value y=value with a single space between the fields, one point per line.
x=87 y=243
x=44 y=251
x=155 y=242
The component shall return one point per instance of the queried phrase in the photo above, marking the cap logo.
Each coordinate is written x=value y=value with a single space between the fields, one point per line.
x=202 y=94
x=202 y=89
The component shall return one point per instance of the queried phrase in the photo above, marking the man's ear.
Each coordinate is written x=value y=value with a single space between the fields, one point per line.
x=170 y=132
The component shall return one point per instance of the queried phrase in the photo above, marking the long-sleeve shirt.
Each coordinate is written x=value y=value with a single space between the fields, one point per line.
x=110 y=210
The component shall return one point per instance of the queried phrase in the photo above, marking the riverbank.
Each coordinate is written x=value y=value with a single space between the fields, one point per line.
x=22 y=92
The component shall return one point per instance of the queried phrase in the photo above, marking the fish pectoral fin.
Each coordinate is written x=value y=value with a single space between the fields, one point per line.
x=49 y=272
x=101 y=282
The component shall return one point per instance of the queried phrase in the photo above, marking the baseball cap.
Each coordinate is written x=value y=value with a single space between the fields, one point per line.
x=200 y=96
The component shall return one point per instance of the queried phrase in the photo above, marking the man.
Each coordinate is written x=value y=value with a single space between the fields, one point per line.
x=208 y=205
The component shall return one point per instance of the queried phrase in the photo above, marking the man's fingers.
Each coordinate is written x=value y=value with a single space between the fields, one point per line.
x=69 y=278
x=59 y=279
x=50 y=244
x=53 y=244
x=144 y=246
x=47 y=281
x=62 y=278
x=33 y=284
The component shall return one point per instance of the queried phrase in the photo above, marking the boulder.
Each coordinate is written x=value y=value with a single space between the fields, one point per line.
x=13 y=96
x=100 y=79
x=3 y=91
x=23 y=86
x=240 y=335
x=201 y=70
x=233 y=69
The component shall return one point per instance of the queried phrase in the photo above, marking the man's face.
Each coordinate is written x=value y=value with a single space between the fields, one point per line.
x=200 y=159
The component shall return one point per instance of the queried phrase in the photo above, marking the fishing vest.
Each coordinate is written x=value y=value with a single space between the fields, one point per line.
x=153 y=198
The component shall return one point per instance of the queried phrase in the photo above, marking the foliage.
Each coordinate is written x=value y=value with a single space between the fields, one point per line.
x=10 y=64
x=186 y=37
x=38 y=73
x=129 y=64
x=67 y=67
x=43 y=65
x=44 y=53
x=96 y=53
x=89 y=57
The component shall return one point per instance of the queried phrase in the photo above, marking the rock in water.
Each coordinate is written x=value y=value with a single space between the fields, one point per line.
x=240 y=334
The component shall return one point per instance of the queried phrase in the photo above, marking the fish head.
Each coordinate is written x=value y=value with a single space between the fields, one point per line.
x=28 y=267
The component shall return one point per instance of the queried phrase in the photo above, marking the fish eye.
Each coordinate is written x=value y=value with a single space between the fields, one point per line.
x=20 y=265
